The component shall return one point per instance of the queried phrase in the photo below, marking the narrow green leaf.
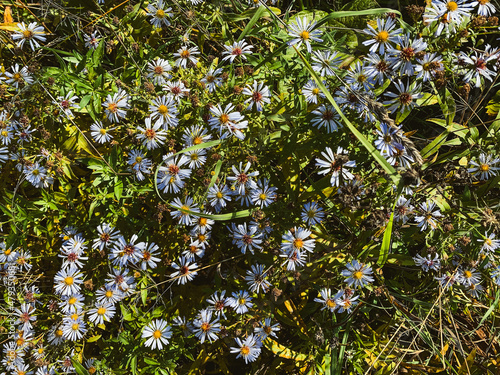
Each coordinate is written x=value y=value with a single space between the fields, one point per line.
x=434 y=146
x=355 y=13
x=260 y=11
x=80 y=370
x=387 y=241
x=395 y=177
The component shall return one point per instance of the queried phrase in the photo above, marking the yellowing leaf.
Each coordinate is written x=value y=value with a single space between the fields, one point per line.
x=7 y=15
x=284 y=352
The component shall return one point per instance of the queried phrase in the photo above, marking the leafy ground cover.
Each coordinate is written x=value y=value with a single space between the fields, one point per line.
x=255 y=187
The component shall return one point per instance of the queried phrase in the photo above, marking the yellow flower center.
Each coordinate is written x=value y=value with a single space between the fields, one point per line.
x=102 y=131
x=298 y=243
x=5 y=133
x=330 y=303
x=468 y=274
x=205 y=326
x=484 y=167
x=382 y=36
x=357 y=275
x=194 y=156
x=452 y=6
x=75 y=326
x=203 y=221
x=68 y=280
x=483 y=2
x=28 y=34
x=138 y=159
x=488 y=241
x=157 y=334
x=36 y=172
x=304 y=35
x=224 y=118
x=17 y=77
x=262 y=197
x=160 y=13
x=8 y=251
x=92 y=370
x=109 y=293
x=40 y=350
x=72 y=301
x=245 y=350
x=163 y=109
x=58 y=333
x=315 y=91
x=219 y=195
x=185 y=53
x=74 y=316
x=184 y=209
x=197 y=140
x=113 y=107
x=101 y=311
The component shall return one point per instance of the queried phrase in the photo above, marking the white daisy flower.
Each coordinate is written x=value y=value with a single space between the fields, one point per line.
x=335 y=164
x=115 y=106
x=163 y=109
x=326 y=116
x=100 y=133
x=312 y=92
x=92 y=40
x=382 y=36
x=159 y=71
x=240 y=301
x=31 y=34
x=358 y=274
x=325 y=62
x=186 y=55
x=18 y=76
x=185 y=270
x=405 y=98
x=258 y=93
x=297 y=240
x=159 y=14
x=157 y=334
x=74 y=330
x=429 y=216
x=248 y=349
x=212 y=79
x=303 y=32
x=428 y=263
x=240 y=49
x=205 y=327
x=329 y=301
x=151 y=135
x=183 y=210
x=485 y=168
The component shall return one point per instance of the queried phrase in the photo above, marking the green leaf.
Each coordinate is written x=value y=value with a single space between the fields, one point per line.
x=94 y=338
x=260 y=11
x=356 y=13
x=434 y=146
x=395 y=177
x=80 y=370
x=387 y=241
x=118 y=188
